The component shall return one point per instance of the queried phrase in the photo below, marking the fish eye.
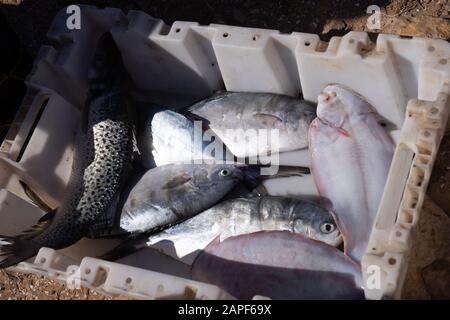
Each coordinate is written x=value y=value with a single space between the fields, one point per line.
x=224 y=172
x=327 y=227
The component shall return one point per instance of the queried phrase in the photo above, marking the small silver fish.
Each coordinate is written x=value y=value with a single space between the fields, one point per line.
x=245 y=215
x=351 y=155
x=174 y=139
x=101 y=161
x=174 y=192
x=171 y=193
x=237 y=117
x=278 y=265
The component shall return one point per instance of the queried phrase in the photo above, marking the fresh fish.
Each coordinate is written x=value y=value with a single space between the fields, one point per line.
x=176 y=138
x=246 y=215
x=351 y=156
x=237 y=118
x=278 y=265
x=102 y=157
x=174 y=192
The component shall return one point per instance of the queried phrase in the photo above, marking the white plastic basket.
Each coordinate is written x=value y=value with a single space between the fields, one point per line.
x=406 y=79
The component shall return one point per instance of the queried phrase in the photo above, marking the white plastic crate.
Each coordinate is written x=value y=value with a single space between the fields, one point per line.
x=406 y=80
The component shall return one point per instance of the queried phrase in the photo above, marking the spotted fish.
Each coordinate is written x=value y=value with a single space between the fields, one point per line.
x=102 y=157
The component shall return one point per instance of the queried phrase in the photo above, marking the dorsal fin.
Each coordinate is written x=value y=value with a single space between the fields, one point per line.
x=40 y=226
x=34 y=197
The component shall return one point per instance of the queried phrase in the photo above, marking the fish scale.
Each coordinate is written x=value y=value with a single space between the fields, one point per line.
x=102 y=157
x=351 y=155
x=106 y=150
x=243 y=124
x=245 y=215
x=278 y=265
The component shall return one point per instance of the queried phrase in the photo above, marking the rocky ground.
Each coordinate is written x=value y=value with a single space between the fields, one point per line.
x=25 y=25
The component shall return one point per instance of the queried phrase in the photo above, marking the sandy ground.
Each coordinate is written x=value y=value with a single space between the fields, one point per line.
x=429 y=275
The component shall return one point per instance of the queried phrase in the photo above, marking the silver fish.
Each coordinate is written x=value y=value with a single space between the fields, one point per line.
x=237 y=118
x=143 y=127
x=174 y=139
x=245 y=215
x=171 y=193
x=102 y=157
x=351 y=156
x=279 y=265
x=174 y=192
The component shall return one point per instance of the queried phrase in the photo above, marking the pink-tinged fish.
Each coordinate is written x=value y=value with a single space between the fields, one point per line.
x=278 y=265
x=351 y=155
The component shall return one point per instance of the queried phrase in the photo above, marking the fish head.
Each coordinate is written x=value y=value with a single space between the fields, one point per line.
x=316 y=223
x=337 y=101
x=217 y=177
x=331 y=109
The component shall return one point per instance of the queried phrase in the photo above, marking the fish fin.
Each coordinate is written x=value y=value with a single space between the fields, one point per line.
x=135 y=141
x=104 y=224
x=194 y=117
x=133 y=242
x=288 y=171
x=34 y=197
x=106 y=227
x=218 y=95
x=14 y=250
x=259 y=191
x=177 y=181
x=40 y=226
x=268 y=120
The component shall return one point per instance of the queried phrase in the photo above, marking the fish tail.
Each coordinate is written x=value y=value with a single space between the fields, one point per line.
x=37 y=200
x=289 y=171
x=253 y=172
x=14 y=250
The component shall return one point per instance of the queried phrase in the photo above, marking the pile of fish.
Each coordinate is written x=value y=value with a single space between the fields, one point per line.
x=206 y=196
